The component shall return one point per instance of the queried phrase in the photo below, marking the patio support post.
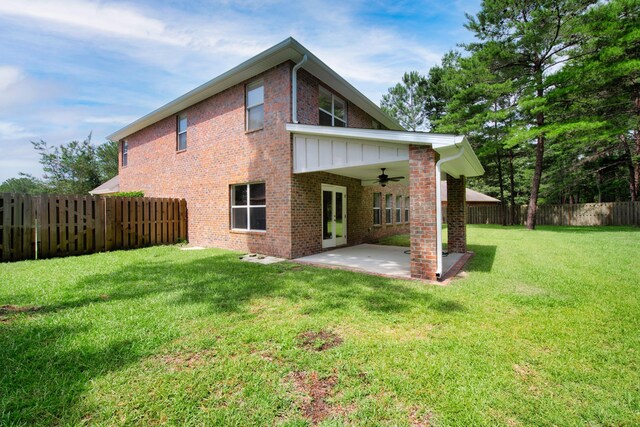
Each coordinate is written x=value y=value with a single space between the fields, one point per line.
x=457 y=214
x=422 y=211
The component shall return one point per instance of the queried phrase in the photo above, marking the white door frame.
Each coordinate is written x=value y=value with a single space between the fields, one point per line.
x=334 y=241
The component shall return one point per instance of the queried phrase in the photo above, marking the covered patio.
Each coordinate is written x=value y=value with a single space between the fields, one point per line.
x=422 y=160
x=393 y=261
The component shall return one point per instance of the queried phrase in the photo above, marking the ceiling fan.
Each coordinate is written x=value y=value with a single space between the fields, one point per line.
x=383 y=178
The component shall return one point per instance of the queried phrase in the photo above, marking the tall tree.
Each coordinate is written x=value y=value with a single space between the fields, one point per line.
x=26 y=184
x=407 y=101
x=527 y=41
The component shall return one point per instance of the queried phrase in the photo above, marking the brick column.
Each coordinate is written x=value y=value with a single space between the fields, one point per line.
x=422 y=211
x=457 y=214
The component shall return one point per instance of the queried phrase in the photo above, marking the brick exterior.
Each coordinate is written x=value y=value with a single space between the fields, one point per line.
x=456 y=214
x=220 y=154
x=422 y=213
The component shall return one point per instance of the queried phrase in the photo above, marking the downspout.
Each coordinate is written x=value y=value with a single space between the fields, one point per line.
x=439 y=209
x=294 y=88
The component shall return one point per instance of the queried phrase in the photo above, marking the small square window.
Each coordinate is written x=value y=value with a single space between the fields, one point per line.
x=249 y=207
x=255 y=106
x=333 y=110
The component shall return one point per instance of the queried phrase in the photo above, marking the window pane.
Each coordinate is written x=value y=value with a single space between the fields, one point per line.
x=256 y=117
x=182 y=124
x=376 y=216
x=339 y=123
x=240 y=195
x=325 y=99
x=239 y=218
x=258 y=218
x=255 y=95
x=325 y=119
x=388 y=216
x=258 y=194
x=182 y=141
x=327 y=214
x=338 y=108
x=376 y=200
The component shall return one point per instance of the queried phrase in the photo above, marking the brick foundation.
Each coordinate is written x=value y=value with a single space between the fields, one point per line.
x=422 y=212
x=456 y=214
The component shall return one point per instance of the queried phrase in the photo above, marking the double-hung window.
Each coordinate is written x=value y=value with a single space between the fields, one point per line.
x=181 y=143
x=255 y=106
x=377 y=213
x=388 y=209
x=406 y=209
x=398 y=209
x=249 y=207
x=125 y=153
x=333 y=110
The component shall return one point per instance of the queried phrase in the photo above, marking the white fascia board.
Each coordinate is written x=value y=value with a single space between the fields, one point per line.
x=397 y=137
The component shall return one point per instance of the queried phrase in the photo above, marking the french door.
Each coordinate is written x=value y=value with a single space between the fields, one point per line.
x=334 y=215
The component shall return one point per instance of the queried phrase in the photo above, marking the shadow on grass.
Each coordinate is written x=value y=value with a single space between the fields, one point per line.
x=47 y=368
x=589 y=229
x=483 y=259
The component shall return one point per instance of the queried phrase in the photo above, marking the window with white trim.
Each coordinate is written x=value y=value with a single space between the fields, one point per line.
x=398 y=209
x=333 y=110
x=255 y=105
x=125 y=153
x=249 y=207
x=406 y=209
x=377 y=206
x=388 y=206
x=181 y=143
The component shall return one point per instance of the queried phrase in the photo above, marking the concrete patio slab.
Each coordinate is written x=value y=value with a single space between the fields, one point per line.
x=375 y=259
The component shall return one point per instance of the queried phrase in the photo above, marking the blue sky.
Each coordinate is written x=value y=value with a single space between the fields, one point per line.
x=71 y=67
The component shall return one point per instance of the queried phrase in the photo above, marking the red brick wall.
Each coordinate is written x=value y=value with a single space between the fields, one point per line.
x=422 y=188
x=307 y=211
x=220 y=153
x=456 y=215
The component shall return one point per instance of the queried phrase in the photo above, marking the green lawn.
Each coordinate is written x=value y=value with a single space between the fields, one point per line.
x=544 y=330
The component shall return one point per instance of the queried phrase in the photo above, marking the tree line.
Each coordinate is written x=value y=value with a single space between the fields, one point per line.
x=72 y=168
x=549 y=96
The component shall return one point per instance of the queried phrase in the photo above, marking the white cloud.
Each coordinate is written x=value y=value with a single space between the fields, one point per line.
x=9 y=76
x=12 y=131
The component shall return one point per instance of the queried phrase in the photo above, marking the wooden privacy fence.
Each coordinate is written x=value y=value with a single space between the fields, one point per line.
x=51 y=226
x=614 y=213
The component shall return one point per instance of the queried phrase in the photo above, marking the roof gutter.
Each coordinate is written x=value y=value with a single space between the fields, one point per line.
x=294 y=88
x=439 y=208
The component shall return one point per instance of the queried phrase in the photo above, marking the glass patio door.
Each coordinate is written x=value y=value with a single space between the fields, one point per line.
x=334 y=215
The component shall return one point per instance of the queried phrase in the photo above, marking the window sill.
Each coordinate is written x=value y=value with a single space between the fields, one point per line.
x=241 y=231
x=181 y=151
x=253 y=130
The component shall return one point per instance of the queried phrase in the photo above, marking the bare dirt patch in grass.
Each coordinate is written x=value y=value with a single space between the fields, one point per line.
x=314 y=393
x=420 y=418
x=7 y=312
x=319 y=340
x=182 y=361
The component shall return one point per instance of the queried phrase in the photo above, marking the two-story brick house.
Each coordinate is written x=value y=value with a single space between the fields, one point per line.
x=280 y=155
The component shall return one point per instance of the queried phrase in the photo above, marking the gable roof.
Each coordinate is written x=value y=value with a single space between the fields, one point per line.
x=288 y=49
x=472 y=195
x=111 y=186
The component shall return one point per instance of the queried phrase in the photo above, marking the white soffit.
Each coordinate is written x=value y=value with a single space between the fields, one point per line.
x=324 y=148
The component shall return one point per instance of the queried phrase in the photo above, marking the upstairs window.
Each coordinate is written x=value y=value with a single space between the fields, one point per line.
x=255 y=106
x=181 y=144
x=333 y=111
x=249 y=207
x=125 y=153
x=398 y=209
x=377 y=205
x=388 y=209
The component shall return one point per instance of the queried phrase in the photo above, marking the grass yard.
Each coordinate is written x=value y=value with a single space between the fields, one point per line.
x=544 y=330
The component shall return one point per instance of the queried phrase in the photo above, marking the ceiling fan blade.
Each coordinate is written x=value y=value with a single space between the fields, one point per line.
x=395 y=178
